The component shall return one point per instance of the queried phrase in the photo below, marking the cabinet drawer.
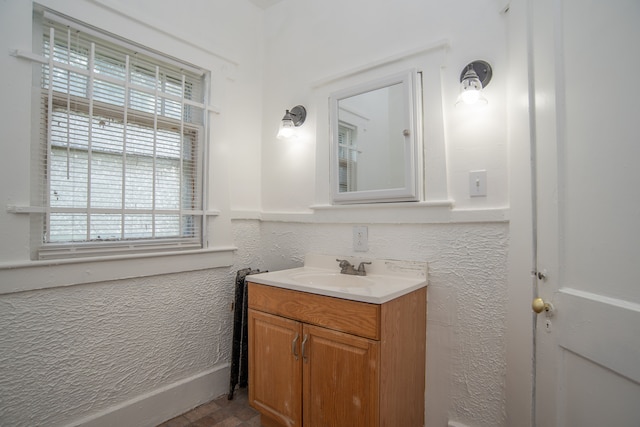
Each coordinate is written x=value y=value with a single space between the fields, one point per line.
x=357 y=318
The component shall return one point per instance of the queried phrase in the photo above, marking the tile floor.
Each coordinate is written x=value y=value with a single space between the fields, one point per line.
x=220 y=412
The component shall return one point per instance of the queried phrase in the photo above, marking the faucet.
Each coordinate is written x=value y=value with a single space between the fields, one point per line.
x=347 y=268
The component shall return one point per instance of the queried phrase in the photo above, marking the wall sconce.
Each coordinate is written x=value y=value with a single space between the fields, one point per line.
x=291 y=120
x=475 y=76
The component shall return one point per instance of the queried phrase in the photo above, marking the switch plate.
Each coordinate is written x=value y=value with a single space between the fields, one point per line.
x=478 y=183
x=360 y=238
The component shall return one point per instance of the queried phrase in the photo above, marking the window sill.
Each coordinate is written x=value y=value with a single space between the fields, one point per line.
x=33 y=275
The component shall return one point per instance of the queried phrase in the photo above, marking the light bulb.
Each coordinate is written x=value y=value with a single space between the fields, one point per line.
x=287 y=127
x=470 y=96
x=285 y=132
x=470 y=92
x=291 y=120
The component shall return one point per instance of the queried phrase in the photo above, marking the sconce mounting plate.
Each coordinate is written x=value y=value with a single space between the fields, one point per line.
x=482 y=69
x=299 y=114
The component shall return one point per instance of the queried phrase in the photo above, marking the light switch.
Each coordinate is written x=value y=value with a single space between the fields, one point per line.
x=478 y=183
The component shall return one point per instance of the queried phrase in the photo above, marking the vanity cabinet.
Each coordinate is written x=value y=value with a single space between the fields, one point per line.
x=318 y=361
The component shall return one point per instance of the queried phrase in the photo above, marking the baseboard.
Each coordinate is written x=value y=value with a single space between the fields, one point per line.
x=164 y=403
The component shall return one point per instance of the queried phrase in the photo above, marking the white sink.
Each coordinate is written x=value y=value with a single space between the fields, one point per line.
x=384 y=281
x=333 y=280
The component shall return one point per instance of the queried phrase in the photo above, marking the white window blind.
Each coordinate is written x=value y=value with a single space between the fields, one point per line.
x=122 y=147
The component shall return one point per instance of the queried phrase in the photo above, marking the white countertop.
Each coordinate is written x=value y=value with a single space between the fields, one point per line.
x=385 y=279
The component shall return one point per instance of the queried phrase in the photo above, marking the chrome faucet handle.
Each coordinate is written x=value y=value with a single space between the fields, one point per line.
x=343 y=263
x=361 y=269
x=346 y=267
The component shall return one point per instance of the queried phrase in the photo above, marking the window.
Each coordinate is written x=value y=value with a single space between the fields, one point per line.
x=122 y=143
x=347 y=157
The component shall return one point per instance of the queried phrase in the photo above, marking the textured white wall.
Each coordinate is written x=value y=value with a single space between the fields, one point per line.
x=466 y=310
x=70 y=352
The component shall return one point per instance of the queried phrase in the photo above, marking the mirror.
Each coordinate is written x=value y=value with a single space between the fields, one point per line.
x=376 y=140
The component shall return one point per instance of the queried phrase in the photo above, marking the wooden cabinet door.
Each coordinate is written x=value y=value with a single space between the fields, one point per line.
x=340 y=379
x=275 y=369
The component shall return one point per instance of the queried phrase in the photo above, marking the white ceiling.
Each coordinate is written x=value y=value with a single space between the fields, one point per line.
x=265 y=3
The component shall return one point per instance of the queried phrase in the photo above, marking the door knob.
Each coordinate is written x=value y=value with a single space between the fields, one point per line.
x=538 y=305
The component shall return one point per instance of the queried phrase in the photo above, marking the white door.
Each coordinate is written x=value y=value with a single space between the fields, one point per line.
x=587 y=85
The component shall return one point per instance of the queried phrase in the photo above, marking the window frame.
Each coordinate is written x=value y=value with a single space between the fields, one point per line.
x=348 y=162
x=44 y=250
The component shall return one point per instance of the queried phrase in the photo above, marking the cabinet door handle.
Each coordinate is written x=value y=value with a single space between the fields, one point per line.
x=294 y=346
x=304 y=347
